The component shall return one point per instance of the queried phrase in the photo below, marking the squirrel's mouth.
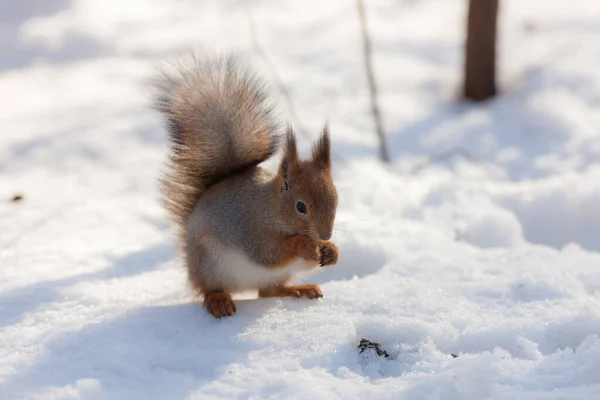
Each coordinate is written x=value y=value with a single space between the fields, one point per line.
x=314 y=238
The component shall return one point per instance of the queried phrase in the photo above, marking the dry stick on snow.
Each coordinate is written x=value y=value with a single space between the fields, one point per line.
x=456 y=151
x=280 y=86
x=371 y=80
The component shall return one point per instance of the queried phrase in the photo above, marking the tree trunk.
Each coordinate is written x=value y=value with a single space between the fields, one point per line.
x=480 y=55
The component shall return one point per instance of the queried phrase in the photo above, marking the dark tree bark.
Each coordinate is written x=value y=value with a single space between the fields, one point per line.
x=480 y=54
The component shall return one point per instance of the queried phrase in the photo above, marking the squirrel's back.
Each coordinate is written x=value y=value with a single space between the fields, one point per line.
x=219 y=124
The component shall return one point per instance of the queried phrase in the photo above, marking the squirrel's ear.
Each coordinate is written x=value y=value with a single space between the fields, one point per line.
x=321 y=153
x=290 y=161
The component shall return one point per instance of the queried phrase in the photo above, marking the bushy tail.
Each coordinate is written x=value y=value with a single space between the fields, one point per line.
x=219 y=123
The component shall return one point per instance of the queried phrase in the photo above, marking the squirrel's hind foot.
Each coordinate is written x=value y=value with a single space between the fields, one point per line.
x=219 y=304
x=310 y=291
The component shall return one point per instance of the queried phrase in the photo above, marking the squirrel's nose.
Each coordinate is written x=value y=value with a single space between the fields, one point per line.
x=325 y=235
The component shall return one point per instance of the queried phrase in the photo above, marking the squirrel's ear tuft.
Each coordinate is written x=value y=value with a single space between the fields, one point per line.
x=321 y=154
x=290 y=163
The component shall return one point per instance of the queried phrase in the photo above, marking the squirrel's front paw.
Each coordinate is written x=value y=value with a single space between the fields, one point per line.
x=310 y=251
x=329 y=253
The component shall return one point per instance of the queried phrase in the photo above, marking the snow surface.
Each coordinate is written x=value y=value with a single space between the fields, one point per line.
x=494 y=258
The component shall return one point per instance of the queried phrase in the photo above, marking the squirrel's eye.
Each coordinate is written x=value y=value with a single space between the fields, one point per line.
x=301 y=207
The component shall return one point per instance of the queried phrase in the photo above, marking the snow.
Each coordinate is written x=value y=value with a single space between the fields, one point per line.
x=490 y=253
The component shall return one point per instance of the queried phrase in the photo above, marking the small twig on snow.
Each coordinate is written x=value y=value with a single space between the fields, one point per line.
x=456 y=151
x=280 y=86
x=383 y=149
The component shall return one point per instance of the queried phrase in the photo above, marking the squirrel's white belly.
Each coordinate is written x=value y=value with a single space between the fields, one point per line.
x=235 y=271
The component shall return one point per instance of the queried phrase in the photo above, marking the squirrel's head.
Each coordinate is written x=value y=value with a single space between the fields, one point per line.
x=308 y=198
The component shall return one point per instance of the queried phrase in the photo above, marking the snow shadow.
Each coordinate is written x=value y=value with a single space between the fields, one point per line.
x=557 y=214
x=168 y=351
x=518 y=137
x=79 y=141
x=50 y=150
x=529 y=342
x=17 y=51
x=509 y=131
x=356 y=260
x=18 y=302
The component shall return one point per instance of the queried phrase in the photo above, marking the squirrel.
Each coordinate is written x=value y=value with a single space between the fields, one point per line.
x=240 y=226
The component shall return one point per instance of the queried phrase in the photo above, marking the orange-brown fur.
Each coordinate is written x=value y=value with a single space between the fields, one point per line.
x=300 y=246
x=311 y=182
x=310 y=291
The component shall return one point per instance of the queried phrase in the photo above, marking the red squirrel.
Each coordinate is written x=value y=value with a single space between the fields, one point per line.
x=240 y=226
